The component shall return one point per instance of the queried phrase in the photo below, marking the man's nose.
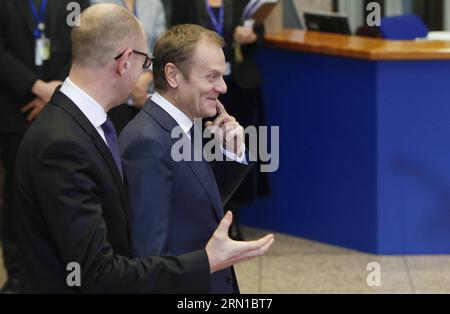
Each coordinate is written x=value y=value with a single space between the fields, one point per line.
x=221 y=86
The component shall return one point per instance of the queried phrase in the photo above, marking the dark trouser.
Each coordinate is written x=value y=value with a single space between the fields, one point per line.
x=9 y=144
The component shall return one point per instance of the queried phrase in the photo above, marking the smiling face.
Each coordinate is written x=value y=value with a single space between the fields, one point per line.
x=197 y=94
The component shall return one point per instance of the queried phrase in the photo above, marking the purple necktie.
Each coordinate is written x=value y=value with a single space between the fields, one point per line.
x=111 y=140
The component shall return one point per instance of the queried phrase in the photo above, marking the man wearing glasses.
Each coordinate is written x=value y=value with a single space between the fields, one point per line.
x=73 y=210
x=151 y=15
x=147 y=61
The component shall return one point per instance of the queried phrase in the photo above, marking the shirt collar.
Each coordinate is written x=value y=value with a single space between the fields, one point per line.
x=90 y=108
x=182 y=119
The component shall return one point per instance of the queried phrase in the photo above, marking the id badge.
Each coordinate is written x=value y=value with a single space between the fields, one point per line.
x=249 y=23
x=227 y=69
x=42 y=52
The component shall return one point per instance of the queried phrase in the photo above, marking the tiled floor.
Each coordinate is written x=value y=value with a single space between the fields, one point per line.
x=295 y=265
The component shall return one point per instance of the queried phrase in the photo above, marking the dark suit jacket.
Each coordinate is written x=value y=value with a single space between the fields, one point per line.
x=246 y=74
x=72 y=207
x=18 y=72
x=176 y=205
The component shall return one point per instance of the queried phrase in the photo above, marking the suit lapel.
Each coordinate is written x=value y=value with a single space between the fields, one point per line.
x=62 y=101
x=107 y=156
x=201 y=169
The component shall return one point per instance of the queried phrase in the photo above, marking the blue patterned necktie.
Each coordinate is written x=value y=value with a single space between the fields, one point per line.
x=111 y=140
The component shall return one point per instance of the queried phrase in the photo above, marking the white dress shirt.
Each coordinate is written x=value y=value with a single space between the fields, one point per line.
x=186 y=123
x=90 y=108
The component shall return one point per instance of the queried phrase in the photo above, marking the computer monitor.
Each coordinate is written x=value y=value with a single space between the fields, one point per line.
x=326 y=22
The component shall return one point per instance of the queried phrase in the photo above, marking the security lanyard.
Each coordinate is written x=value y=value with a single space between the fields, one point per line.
x=216 y=24
x=39 y=18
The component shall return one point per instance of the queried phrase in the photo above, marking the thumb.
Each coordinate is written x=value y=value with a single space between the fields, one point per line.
x=225 y=223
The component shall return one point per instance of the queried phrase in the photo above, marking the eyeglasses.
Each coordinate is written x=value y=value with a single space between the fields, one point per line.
x=147 y=62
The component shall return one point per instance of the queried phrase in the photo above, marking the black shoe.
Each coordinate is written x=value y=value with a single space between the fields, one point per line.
x=11 y=286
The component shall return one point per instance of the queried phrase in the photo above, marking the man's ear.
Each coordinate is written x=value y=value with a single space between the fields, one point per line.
x=123 y=63
x=172 y=74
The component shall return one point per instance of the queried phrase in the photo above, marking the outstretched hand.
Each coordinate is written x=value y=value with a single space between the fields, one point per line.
x=224 y=252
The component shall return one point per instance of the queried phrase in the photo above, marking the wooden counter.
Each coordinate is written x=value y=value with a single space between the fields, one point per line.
x=364 y=142
x=358 y=47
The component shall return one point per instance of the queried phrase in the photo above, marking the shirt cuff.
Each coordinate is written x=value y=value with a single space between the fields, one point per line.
x=130 y=102
x=233 y=156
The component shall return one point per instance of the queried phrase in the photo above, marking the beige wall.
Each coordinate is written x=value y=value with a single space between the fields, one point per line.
x=323 y=5
x=274 y=21
x=447 y=15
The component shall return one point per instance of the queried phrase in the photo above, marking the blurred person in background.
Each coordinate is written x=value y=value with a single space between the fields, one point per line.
x=35 y=54
x=168 y=4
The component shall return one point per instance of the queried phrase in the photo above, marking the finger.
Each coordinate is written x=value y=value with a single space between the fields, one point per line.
x=225 y=223
x=266 y=246
x=28 y=106
x=213 y=129
x=256 y=244
x=208 y=124
x=230 y=125
x=233 y=134
x=29 y=117
x=223 y=118
x=260 y=251
x=220 y=108
x=33 y=114
x=230 y=135
x=252 y=248
x=227 y=127
x=219 y=120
